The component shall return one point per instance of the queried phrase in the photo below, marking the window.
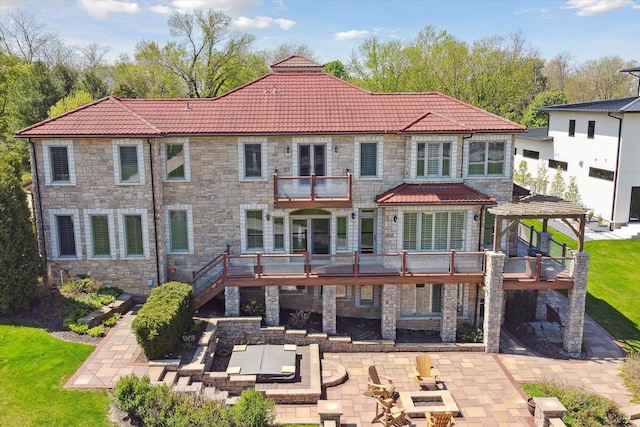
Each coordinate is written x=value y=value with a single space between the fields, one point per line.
x=312 y=159
x=368 y=159
x=254 y=229
x=601 y=174
x=128 y=162
x=252 y=161
x=134 y=243
x=530 y=154
x=341 y=233
x=288 y=289
x=366 y=295
x=175 y=161
x=438 y=231
x=278 y=233
x=591 y=129
x=58 y=162
x=100 y=243
x=179 y=235
x=486 y=158
x=420 y=299
x=572 y=128
x=341 y=291
x=66 y=236
x=433 y=159
x=555 y=164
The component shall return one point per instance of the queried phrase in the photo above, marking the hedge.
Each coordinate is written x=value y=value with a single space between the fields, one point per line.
x=163 y=319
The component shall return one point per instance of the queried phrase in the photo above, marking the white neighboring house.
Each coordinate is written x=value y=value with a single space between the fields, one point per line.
x=598 y=142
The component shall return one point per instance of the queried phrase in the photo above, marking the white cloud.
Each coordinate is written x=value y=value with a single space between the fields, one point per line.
x=594 y=7
x=350 y=35
x=161 y=9
x=546 y=13
x=232 y=8
x=263 y=22
x=101 y=8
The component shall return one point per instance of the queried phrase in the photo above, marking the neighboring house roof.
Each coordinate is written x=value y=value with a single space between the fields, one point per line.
x=618 y=105
x=283 y=102
x=537 y=134
x=520 y=191
x=419 y=194
x=296 y=63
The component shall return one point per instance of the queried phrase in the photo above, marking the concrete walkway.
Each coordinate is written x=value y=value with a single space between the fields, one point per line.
x=486 y=387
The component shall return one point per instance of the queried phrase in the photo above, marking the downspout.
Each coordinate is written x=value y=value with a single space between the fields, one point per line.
x=615 y=177
x=462 y=152
x=39 y=223
x=155 y=221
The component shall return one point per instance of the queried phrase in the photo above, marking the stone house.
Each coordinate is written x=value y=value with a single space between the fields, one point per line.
x=298 y=189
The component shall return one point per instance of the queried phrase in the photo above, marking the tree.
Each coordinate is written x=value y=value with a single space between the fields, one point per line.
x=70 y=102
x=380 y=66
x=522 y=176
x=541 y=179
x=20 y=261
x=336 y=68
x=285 y=50
x=573 y=192
x=207 y=55
x=558 y=186
x=534 y=118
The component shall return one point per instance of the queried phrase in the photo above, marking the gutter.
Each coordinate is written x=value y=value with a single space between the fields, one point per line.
x=615 y=177
x=155 y=221
x=38 y=212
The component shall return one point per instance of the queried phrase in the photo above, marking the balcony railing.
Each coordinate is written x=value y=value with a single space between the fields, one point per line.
x=538 y=269
x=312 y=191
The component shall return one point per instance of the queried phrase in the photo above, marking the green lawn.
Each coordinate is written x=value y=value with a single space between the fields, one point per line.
x=33 y=370
x=613 y=286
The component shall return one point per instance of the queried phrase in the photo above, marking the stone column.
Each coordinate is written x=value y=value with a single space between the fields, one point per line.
x=493 y=301
x=544 y=242
x=574 y=321
x=272 y=305
x=232 y=301
x=541 y=304
x=329 y=309
x=449 y=321
x=389 y=303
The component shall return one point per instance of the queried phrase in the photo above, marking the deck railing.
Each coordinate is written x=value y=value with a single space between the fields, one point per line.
x=538 y=268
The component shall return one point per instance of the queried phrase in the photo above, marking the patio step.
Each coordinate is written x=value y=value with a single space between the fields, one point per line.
x=632 y=412
x=184 y=385
x=333 y=373
x=170 y=378
x=212 y=393
x=155 y=374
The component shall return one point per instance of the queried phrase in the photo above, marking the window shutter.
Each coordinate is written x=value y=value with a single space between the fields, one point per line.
x=457 y=231
x=369 y=159
x=133 y=234
x=66 y=235
x=179 y=237
x=129 y=163
x=446 y=159
x=100 y=235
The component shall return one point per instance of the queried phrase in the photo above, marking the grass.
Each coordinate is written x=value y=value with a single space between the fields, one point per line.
x=556 y=235
x=33 y=370
x=612 y=285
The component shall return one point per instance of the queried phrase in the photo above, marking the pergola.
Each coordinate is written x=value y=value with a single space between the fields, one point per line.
x=538 y=207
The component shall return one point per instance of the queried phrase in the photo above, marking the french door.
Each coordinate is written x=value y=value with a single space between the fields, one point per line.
x=311 y=234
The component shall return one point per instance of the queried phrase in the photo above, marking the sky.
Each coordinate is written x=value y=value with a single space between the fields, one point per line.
x=586 y=29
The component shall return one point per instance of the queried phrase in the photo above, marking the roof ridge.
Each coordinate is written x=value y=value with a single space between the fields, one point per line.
x=635 y=101
x=236 y=89
x=136 y=115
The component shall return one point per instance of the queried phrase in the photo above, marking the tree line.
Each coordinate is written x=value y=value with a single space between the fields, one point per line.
x=41 y=76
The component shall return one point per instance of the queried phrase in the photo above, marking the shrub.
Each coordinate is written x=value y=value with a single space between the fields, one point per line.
x=79 y=328
x=130 y=394
x=468 y=333
x=254 y=410
x=75 y=288
x=110 y=321
x=96 y=331
x=254 y=308
x=163 y=319
x=73 y=316
x=583 y=409
x=630 y=372
x=298 y=318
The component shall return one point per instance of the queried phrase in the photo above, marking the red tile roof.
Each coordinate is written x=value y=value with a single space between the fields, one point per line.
x=278 y=103
x=296 y=62
x=420 y=194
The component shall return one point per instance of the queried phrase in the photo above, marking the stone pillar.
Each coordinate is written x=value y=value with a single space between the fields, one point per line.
x=574 y=321
x=512 y=241
x=449 y=321
x=272 y=305
x=329 y=309
x=329 y=412
x=547 y=408
x=232 y=301
x=543 y=244
x=389 y=303
x=493 y=301
x=541 y=304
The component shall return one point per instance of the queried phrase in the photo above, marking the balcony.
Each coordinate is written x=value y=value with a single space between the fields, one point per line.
x=308 y=192
x=521 y=273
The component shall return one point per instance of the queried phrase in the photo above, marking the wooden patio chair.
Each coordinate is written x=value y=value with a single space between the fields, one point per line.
x=376 y=388
x=443 y=419
x=389 y=414
x=425 y=375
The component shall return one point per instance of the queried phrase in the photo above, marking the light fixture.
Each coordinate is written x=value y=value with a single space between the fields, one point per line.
x=268 y=217
x=335 y=149
x=287 y=150
x=476 y=217
x=395 y=218
x=353 y=215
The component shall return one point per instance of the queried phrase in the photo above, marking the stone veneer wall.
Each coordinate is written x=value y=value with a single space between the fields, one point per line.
x=574 y=328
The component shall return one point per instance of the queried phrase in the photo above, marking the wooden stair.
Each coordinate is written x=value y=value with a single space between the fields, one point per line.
x=209 y=293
